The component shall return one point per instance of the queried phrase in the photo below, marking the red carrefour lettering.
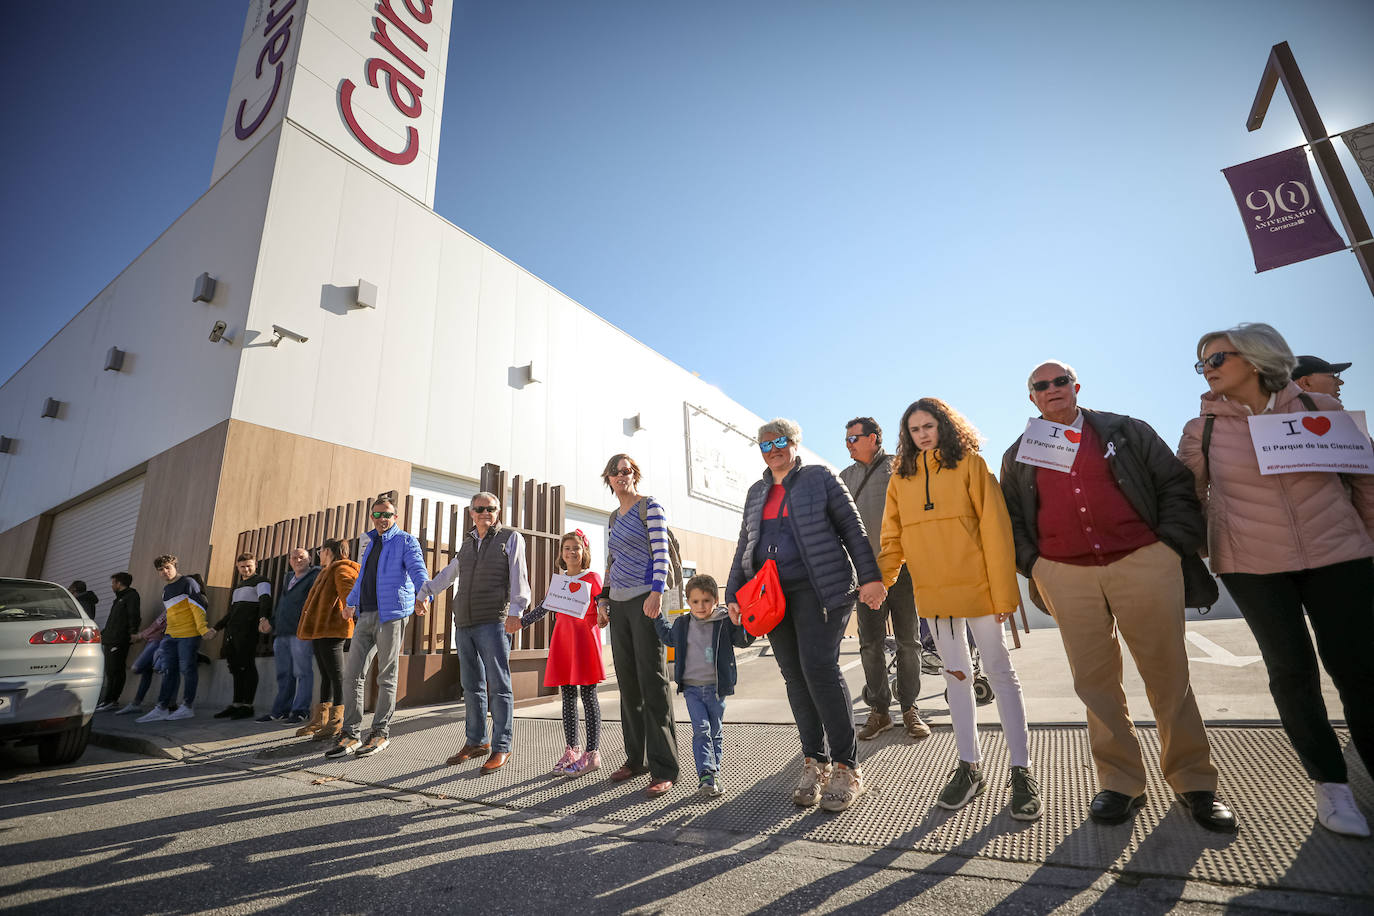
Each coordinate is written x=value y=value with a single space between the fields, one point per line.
x=271 y=53
x=404 y=157
x=397 y=79
x=382 y=38
x=425 y=14
x=384 y=7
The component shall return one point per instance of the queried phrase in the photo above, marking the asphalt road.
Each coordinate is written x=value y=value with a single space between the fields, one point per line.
x=124 y=834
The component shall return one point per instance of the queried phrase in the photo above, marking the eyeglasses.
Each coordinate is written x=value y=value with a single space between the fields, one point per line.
x=1214 y=361
x=383 y=514
x=779 y=443
x=852 y=439
x=482 y=510
x=1058 y=382
x=622 y=472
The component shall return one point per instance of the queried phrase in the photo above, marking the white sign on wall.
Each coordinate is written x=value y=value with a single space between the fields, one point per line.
x=366 y=78
x=1336 y=441
x=717 y=452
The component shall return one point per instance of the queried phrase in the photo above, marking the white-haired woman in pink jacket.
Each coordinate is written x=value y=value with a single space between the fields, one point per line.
x=1285 y=543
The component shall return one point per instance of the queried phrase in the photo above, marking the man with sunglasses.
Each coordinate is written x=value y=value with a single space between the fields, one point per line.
x=493 y=590
x=867 y=481
x=382 y=600
x=1312 y=373
x=1102 y=545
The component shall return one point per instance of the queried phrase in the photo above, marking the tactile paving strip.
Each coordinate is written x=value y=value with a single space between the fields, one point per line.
x=1279 y=845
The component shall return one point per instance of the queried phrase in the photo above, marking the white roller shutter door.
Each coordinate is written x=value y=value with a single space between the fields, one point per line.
x=93 y=540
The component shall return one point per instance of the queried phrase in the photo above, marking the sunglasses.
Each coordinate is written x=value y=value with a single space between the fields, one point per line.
x=852 y=439
x=779 y=443
x=383 y=514
x=482 y=510
x=623 y=472
x=1058 y=382
x=1214 y=361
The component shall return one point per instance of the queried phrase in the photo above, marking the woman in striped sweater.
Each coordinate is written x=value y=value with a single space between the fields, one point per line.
x=636 y=575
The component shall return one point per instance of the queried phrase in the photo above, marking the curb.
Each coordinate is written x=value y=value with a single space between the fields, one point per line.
x=145 y=747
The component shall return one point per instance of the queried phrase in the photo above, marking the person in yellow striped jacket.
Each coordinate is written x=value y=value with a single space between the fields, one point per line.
x=184 y=602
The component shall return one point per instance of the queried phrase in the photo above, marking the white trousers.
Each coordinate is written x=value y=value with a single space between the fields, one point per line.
x=951 y=641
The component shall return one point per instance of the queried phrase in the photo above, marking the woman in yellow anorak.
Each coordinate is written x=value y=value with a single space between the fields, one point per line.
x=946 y=520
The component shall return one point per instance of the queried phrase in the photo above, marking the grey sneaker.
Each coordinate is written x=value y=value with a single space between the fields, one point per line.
x=375 y=743
x=878 y=722
x=846 y=786
x=965 y=784
x=1025 y=795
x=710 y=785
x=814 y=776
x=129 y=709
x=914 y=725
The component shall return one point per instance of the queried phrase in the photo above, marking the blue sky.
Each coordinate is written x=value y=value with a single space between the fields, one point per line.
x=826 y=209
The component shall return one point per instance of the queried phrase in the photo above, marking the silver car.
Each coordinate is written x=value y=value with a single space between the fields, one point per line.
x=52 y=667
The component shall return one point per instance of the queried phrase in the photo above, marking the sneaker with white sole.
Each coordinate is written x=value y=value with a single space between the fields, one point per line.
x=375 y=743
x=156 y=714
x=811 y=784
x=875 y=725
x=129 y=709
x=846 y=786
x=1337 y=811
x=589 y=762
x=965 y=784
x=708 y=784
x=1025 y=794
x=182 y=712
x=570 y=756
x=347 y=744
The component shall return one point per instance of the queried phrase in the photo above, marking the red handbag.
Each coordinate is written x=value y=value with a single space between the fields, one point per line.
x=761 y=602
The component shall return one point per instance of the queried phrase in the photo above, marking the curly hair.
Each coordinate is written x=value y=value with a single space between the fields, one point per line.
x=957 y=436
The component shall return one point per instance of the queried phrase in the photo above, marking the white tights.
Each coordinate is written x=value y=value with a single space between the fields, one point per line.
x=951 y=641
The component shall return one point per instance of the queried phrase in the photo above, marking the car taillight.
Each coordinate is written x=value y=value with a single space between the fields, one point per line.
x=65 y=634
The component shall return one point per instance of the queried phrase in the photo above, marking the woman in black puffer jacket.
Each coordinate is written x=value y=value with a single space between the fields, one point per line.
x=804 y=520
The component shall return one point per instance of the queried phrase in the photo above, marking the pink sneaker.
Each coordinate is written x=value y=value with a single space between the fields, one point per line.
x=570 y=756
x=585 y=764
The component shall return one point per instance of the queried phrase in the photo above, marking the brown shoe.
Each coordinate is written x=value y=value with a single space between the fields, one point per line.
x=468 y=752
x=658 y=787
x=318 y=714
x=496 y=761
x=878 y=722
x=626 y=772
x=913 y=723
x=333 y=724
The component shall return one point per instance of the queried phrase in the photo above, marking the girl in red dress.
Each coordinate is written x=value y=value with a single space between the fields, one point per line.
x=574 y=664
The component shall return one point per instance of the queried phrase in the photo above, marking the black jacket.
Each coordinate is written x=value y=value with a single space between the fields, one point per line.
x=1153 y=480
x=126 y=616
x=725 y=638
x=827 y=529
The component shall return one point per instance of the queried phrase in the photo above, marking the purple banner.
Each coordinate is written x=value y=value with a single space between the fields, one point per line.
x=1283 y=215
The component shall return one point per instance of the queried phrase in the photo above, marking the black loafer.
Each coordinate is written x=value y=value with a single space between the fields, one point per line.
x=1207 y=811
x=1110 y=807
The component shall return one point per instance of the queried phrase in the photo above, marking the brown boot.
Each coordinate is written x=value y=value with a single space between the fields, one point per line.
x=333 y=724
x=316 y=722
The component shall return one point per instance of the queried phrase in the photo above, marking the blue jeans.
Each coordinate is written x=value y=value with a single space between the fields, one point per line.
x=144 y=665
x=179 y=655
x=295 y=675
x=484 y=661
x=706 y=708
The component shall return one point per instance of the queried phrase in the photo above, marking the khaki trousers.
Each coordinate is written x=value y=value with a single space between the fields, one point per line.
x=1141 y=596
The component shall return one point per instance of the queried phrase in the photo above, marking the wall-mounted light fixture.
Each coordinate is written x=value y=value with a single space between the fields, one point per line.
x=527 y=374
x=367 y=295
x=114 y=360
x=278 y=332
x=205 y=288
x=7 y=445
x=51 y=407
x=634 y=424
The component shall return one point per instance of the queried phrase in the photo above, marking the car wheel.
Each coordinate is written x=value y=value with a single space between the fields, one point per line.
x=64 y=747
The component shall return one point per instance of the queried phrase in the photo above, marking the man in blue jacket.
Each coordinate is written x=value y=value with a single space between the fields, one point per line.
x=382 y=599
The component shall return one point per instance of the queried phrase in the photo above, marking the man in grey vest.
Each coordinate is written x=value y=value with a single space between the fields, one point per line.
x=493 y=590
x=867 y=481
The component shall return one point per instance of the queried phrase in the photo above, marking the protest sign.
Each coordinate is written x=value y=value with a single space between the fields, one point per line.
x=1049 y=445
x=1335 y=441
x=568 y=595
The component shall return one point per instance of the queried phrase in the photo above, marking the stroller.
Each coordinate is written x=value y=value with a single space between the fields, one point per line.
x=931 y=664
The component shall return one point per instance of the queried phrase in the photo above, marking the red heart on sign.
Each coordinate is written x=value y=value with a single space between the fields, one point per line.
x=574 y=586
x=1073 y=435
x=1319 y=425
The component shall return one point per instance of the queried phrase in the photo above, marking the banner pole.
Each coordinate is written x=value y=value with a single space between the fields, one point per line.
x=1282 y=66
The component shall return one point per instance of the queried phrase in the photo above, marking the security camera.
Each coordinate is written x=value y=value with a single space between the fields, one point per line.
x=217 y=333
x=281 y=332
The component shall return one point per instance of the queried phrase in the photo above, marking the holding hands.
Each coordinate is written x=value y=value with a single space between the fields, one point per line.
x=653 y=604
x=873 y=594
x=512 y=625
x=733 y=608
x=264 y=625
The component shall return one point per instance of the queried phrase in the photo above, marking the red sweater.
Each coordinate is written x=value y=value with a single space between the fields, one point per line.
x=1084 y=519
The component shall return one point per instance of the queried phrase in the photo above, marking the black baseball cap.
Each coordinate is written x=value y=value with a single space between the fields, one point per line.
x=1310 y=364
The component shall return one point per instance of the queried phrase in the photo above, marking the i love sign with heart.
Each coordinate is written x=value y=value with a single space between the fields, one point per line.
x=1049 y=445
x=1334 y=441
